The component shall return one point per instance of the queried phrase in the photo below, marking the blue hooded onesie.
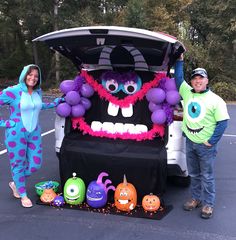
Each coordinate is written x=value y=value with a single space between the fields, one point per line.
x=23 y=133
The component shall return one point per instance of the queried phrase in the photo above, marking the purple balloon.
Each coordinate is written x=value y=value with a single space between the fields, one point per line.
x=78 y=81
x=153 y=106
x=170 y=84
x=156 y=95
x=159 y=116
x=172 y=97
x=86 y=90
x=66 y=86
x=77 y=110
x=72 y=98
x=85 y=102
x=63 y=109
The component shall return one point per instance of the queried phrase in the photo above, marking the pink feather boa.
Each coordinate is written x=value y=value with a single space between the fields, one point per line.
x=157 y=130
x=131 y=99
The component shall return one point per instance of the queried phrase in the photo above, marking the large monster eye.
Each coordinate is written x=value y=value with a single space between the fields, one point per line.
x=195 y=111
x=72 y=190
x=111 y=85
x=131 y=87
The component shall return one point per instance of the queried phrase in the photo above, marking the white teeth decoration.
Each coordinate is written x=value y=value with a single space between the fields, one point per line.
x=127 y=112
x=108 y=127
x=118 y=127
x=96 y=126
x=113 y=109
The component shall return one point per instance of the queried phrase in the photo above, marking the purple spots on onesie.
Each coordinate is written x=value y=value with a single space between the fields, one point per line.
x=12 y=109
x=33 y=170
x=37 y=160
x=8 y=124
x=35 y=138
x=12 y=144
x=21 y=190
x=22 y=152
x=16 y=119
x=11 y=155
x=23 y=141
x=23 y=129
x=13 y=132
x=11 y=95
x=32 y=146
x=18 y=114
x=39 y=151
x=1 y=102
x=22 y=179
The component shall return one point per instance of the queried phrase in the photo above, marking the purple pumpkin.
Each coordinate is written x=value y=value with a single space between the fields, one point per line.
x=77 y=110
x=72 y=98
x=158 y=116
x=86 y=90
x=96 y=194
x=58 y=201
x=156 y=95
x=172 y=97
x=63 y=109
x=66 y=86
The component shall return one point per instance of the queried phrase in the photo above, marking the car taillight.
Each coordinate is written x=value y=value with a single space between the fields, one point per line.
x=178 y=115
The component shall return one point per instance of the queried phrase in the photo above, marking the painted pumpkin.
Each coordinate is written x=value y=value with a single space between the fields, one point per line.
x=125 y=196
x=96 y=194
x=151 y=203
x=58 y=201
x=48 y=195
x=74 y=190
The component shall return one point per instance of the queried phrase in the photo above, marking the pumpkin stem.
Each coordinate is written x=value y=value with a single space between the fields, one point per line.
x=100 y=176
x=110 y=188
x=125 y=181
x=107 y=182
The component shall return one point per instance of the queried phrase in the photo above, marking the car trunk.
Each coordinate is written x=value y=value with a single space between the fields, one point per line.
x=96 y=50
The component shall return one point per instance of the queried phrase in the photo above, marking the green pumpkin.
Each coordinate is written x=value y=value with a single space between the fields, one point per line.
x=74 y=190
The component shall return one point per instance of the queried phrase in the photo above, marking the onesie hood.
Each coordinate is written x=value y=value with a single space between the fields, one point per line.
x=23 y=75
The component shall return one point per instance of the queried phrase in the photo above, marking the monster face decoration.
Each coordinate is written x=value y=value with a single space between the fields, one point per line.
x=97 y=191
x=125 y=196
x=120 y=104
x=74 y=190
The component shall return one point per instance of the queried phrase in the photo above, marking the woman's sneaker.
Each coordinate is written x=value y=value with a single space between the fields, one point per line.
x=206 y=212
x=192 y=204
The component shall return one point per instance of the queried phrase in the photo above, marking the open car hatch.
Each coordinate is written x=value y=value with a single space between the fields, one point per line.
x=105 y=47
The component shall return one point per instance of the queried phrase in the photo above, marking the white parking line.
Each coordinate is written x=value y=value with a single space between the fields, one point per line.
x=229 y=135
x=43 y=134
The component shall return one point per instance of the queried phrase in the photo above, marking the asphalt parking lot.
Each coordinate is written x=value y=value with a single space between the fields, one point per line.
x=42 y=222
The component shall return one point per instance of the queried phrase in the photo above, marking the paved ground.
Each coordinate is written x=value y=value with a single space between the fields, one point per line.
x=42 y=222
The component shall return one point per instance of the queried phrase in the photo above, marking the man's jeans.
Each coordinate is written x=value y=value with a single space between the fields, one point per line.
x=200 y=161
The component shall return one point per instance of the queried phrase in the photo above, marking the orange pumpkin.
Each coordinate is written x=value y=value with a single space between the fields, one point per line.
x=151 y=203
x=48 y=195
x=125 y=196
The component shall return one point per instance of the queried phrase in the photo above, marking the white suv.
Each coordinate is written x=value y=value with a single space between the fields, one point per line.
x=146 y=162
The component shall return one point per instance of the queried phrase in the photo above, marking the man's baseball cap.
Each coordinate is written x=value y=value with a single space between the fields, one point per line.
x=199 y=71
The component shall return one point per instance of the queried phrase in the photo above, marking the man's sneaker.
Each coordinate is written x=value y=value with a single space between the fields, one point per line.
x=206 y=212
x=191 y=204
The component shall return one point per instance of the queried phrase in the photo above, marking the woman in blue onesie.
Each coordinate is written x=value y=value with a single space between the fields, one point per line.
x=23 y=133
